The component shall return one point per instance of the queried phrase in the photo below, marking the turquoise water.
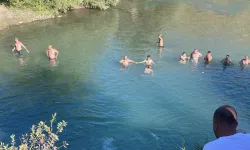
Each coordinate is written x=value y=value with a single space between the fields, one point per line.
x=107 y=108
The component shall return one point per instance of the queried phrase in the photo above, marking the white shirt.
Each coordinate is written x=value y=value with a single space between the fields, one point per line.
x=237 y=141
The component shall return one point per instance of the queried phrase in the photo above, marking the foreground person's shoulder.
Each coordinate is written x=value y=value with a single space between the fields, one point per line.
x=211 y=145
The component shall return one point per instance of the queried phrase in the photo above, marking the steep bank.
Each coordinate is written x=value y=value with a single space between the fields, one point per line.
x=9 y=17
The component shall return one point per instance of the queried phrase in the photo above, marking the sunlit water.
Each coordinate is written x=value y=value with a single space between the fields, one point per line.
x=107 y=108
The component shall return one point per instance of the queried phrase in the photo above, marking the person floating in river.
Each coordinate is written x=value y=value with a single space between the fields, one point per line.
x=245 y=61
x=52 y=54
x=125 y=62
x=208 y=57
x=18 y=47
x=183 y=58
x=148 y=70
x=148 y=61
x=225 y=122
x=160 y=42
x=227 y=60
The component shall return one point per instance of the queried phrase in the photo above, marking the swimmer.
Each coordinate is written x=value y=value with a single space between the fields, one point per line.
x=18 y=47
x=208 y=57
x=148 y=61
x=245 y=61
x=160 y=42
x=183 y=58
x=227 y=60
x=52 y=54
x=148 y=70
x=195 y=55
x=125 y=62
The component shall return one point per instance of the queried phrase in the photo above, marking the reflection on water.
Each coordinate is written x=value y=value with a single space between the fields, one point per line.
x=111 y=109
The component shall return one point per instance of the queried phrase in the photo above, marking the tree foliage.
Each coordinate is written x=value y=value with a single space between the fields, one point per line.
x=60 y=6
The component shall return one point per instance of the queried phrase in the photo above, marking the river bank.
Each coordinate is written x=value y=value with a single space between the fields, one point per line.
x=15 y=16
x=10 y=17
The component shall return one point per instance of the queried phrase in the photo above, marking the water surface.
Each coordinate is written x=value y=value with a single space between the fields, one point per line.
x=107 y=108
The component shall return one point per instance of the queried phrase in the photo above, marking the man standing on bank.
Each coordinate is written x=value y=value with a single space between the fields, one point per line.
x=224 y=126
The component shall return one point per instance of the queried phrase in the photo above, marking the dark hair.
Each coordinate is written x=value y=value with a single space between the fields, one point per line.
x=224 y=115
x=148 y=56
x=227 y=56
x=183 y=53
x=209 y=52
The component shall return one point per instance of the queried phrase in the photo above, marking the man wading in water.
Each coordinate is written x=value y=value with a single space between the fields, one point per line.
x=52 y=54
x=125 y=62
x=160 y=42
x=148 y=61
x=18 y=47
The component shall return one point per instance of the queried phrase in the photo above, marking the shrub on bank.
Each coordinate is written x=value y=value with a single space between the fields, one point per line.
x=42 y=137
x=60 y=6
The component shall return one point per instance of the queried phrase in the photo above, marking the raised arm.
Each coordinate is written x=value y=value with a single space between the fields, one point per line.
x=160 y=37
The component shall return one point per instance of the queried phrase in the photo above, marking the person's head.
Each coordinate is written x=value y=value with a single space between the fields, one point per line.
x=16 y=39
x=246 y=57
x=148 y=57
x=50 y=47
x=184 y=53
x=196 y=51
x=227 y=56
x=125 y=57
x=209 y=52
x=224 y=121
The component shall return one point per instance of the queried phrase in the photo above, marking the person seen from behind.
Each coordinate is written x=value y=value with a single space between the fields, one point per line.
x=228 y=137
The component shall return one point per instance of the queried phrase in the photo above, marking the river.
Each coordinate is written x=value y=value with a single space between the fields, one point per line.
x=107 y=108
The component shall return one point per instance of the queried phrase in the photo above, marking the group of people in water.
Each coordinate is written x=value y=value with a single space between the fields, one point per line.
x=194 y=57
x=51 y=53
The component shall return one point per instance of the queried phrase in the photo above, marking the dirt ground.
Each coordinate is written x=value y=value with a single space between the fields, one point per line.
x=9 y=17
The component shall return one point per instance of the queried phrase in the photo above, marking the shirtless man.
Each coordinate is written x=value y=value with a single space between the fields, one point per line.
x=148 y=61
x=208 y=57
x=183 y=58
x=18 y=47
x=195 y=54
x=227 y=61
x=148 y=70
x=125 y=62
x=52 y=54
x=160 y=42
x=245 y=61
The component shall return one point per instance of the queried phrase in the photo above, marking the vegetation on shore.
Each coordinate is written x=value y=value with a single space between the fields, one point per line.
x=59 y=6
x=42 y=137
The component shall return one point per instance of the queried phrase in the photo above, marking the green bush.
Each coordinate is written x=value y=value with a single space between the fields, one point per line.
x=61 y=6
x=42 y=137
